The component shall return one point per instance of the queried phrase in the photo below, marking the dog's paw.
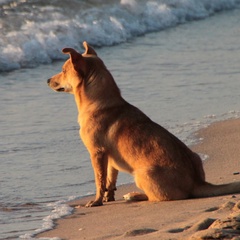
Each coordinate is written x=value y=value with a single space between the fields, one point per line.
x=94 y=204
x=108 y=199
x=109 y=196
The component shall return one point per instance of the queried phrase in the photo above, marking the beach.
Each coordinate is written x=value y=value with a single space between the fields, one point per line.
x=206 y=218
x=177 y=61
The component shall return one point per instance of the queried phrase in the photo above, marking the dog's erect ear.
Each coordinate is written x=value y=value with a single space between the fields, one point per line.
x=76 y=58
x=88 y=49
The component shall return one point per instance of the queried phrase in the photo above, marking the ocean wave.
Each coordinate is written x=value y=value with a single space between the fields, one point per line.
x=60 y=209
x=34 y=32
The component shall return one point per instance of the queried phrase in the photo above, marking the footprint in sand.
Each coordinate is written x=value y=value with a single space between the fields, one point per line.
x=224 y=228
x=137 y=232
x=227 y=227
x=201 y=225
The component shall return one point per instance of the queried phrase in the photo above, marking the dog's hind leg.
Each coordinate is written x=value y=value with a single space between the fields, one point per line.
x=112 y=174
x=159 y=184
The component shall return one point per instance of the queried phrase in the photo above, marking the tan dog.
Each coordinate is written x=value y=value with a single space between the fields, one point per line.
x=119 y=136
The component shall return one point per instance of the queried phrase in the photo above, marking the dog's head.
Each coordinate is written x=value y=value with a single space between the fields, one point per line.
x=77 y=68
x=86 y=76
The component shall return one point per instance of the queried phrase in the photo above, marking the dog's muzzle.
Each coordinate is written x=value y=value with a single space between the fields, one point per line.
x=55 y=86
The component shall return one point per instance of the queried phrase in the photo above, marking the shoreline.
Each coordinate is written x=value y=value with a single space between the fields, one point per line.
x=183 y=219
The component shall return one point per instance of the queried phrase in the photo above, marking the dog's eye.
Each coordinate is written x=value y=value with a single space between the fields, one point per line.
x=64 y=71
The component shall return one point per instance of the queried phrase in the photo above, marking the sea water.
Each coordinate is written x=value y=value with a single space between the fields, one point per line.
x=183 y=73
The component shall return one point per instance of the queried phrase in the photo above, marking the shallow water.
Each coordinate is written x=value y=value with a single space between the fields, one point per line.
x=184 y=78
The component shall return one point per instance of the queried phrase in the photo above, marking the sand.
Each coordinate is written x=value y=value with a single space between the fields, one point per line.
x=206 y=218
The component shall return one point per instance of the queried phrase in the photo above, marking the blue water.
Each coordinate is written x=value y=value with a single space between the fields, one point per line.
x=183 y=73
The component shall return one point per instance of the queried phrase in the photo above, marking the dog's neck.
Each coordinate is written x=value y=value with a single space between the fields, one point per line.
x=87 y=107
x=98 y=91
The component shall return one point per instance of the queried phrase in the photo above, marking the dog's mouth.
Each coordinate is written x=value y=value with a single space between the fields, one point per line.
x=55 y=86
x=61 y=89
x=58 y=87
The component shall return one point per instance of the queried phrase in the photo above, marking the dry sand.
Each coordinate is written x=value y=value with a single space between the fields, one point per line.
x=207 y=218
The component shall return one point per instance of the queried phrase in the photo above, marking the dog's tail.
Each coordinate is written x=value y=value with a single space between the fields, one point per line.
x=210 y=190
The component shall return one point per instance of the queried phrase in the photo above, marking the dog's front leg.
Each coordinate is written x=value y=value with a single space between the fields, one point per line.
x=112 y=174
x=99 y=163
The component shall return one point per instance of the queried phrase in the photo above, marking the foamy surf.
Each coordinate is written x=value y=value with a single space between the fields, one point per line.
x=59 y=209
x=33 y=33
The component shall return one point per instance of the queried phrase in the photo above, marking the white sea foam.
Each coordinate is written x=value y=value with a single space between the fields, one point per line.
x=186 y=131
x=59 y=209
x=38 y=32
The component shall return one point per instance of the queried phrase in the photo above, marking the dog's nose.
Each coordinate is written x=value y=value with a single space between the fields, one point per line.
x=48 y=81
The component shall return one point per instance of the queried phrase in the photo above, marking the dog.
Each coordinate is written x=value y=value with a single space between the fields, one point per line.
x=120 y=137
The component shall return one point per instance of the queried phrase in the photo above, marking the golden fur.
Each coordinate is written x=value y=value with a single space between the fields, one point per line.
x=119 y=136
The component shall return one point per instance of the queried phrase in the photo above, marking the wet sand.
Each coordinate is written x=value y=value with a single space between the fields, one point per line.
x=207 y=218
